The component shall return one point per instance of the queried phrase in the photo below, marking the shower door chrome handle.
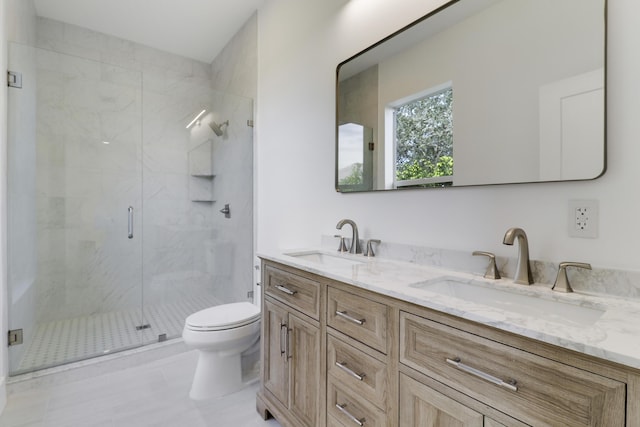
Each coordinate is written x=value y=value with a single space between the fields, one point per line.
x=130 y=227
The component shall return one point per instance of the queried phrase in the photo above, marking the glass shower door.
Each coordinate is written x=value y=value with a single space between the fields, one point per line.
x=74 y=208
x=196 y=256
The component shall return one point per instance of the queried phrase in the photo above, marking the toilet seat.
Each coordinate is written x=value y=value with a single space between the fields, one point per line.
x=222 y=317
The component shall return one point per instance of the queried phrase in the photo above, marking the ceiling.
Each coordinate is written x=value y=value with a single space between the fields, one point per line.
x=197 y=29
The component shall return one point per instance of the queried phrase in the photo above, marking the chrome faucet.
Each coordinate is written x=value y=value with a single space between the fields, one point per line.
x=355 y=247
x=523 y=274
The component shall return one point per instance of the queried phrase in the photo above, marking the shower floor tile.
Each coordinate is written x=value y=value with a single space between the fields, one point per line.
x=69 y=340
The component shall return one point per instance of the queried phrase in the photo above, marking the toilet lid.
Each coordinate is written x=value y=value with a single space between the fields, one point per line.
x=224 y=316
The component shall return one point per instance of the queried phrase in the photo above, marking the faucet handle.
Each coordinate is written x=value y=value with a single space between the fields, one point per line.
x=562 y=281
x=369 y=252
x=492 y=269
x=342 y=246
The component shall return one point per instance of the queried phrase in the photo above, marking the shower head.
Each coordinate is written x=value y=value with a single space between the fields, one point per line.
x=217 y=128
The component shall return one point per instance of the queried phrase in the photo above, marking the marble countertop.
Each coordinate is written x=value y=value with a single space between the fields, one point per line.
x=600 y=326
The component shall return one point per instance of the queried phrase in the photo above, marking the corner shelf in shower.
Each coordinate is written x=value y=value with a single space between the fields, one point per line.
x=201 y=173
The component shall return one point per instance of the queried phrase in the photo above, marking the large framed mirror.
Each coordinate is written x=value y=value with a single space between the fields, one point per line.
x=477 y=92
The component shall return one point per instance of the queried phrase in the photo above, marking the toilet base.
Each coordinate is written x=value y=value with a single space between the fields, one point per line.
x=216 y=376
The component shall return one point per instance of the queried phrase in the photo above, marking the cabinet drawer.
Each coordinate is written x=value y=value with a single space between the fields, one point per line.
x=365 y=375
x=545 y=392
x=296 y=291
x=358 y=317
x=354 y=410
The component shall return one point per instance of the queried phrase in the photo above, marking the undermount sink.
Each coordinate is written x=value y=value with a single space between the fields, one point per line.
x=528 y=305
x=327 y=259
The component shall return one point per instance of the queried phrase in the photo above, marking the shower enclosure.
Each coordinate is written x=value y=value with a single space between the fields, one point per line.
x=115 y=233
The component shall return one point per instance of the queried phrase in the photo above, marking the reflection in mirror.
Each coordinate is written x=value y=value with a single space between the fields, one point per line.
x=423 y=134
x=479 y=92
x=356 y=160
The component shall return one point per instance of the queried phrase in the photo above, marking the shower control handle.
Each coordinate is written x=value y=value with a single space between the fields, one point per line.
x=226 y=211
x=130 y=227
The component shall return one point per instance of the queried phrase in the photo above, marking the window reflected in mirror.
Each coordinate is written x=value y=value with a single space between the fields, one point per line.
x=424 y=139
x=355 y=143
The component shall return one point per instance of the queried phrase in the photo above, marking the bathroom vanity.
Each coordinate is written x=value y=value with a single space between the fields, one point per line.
x=354 y=342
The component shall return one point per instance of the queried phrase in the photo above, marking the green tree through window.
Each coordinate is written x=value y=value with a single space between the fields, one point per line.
x=424 y=137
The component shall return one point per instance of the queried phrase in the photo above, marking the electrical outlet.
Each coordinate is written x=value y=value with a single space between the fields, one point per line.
x=583 y=218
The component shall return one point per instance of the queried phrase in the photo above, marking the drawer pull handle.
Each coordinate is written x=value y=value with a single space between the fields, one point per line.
x=344 y=315
x=286 y=290
x=344 y=367
x=342 y=408
x=511 y=384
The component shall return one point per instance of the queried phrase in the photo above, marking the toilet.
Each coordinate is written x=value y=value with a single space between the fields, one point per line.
x=221 y=334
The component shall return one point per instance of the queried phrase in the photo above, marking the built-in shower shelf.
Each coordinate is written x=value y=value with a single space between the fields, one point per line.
x=201 y=173
x=201 y=188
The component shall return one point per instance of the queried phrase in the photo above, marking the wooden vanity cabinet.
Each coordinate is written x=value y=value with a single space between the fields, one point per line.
x=335 y=355
x=292 y=373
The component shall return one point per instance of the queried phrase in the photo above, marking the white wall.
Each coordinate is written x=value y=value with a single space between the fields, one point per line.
x=299 y=48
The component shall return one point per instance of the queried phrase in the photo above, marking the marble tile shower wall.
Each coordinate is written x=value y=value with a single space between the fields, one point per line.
x=235 y=70
x=95 y=88
x=232 y=250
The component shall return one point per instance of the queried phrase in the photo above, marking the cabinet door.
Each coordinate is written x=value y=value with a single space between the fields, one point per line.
x=488 y=422
x=421 y=406
x=303 y=351
x=275 y=372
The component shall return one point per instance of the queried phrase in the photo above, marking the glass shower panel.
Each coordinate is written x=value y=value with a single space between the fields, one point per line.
x=195 y=256
x=74 y=195
x=231 y=257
